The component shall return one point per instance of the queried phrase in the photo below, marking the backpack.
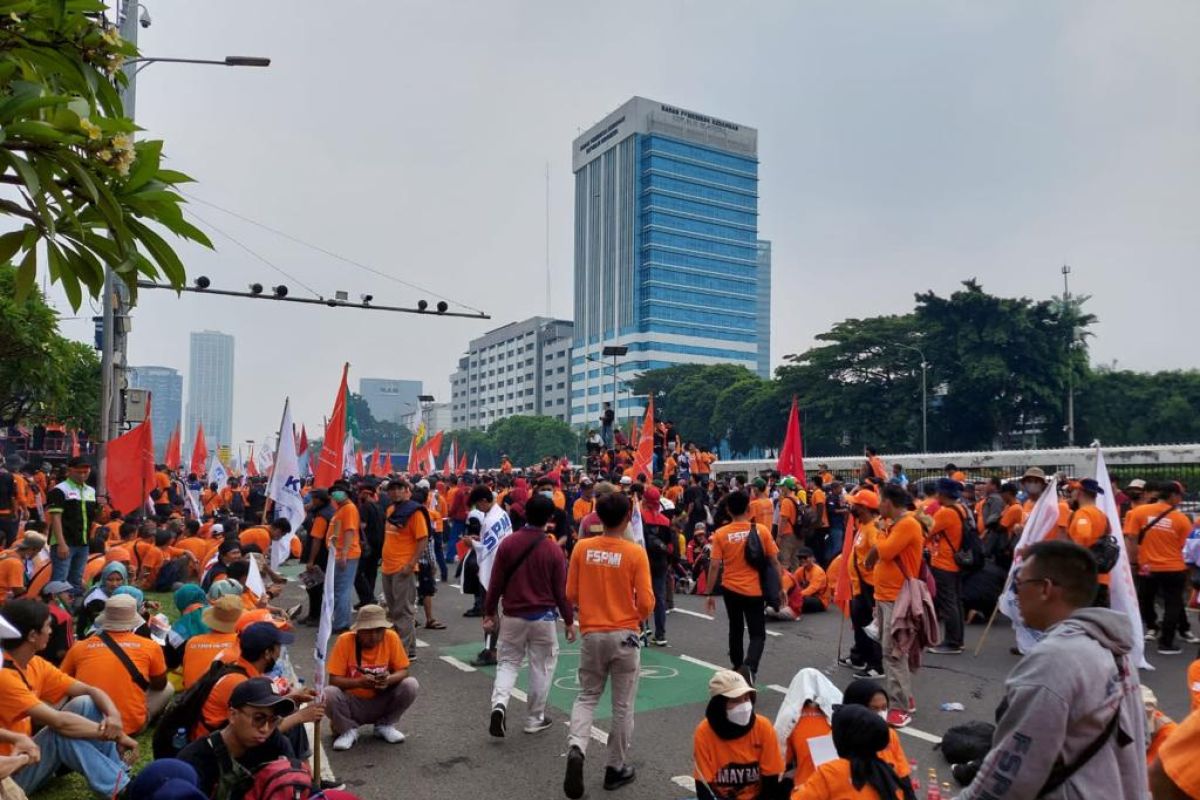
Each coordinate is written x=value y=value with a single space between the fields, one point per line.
x=281 y=779
x=186 y=711
x=237 y=503
x=8 y=491
x=1106 y=550
x=969 y=556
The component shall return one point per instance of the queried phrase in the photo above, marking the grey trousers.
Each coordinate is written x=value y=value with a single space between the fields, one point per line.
x=897 y=676
x=605 y=654
x=521 y=638
x=347 y=711
x=400 y=594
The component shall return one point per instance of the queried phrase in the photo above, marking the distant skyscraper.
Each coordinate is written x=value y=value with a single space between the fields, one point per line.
x=390 y=400
x=166 y=401
x=666 y=247
x=764 y=309
x=210 y=388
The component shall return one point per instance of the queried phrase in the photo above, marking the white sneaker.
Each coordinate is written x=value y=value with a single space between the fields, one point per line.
x=389 y=733
x=346 y=740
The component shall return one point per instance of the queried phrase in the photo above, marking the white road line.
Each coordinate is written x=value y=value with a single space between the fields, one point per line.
x=916 y=734
x=597 y=734
x=454 y=662
x=775 y=687
x=520 y=695
x=691 y=613
x=326 y=769
x=685 y=782
x=700 y=663
x=422 y=644
x=773 y=633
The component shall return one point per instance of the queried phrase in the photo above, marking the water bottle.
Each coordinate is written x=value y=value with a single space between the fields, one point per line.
x=180 y=739
x=932 y=793
x=914 y=776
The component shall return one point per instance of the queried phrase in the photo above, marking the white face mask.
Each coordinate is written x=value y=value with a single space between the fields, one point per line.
x=740 y=714
x=882 y=715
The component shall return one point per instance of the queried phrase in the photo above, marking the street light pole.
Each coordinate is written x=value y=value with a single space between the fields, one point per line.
x=924 y=395
x=1066 y=272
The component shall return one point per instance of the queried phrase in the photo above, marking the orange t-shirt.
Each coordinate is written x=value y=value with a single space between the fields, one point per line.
x=1160 y=736
x=812 y=724
x=114 y=533
x=196 y=546
x=401 y=544
x=257 y=535
x=201 y=650
x=347 y=540
x=831 y=781
x=734 y=768
x=814 y=582
x=818 y=503
x=91 y=662
x=674 y=493
x=21 y=690
x=901 y=544
x=1013 y=516
x=1088 y=524
x=614 y=574
x=1193 y=682
x=1064 y=512
x=91 y=570
x=384 y=658
x=864 y=540
x=1178 y=755
x=12 y=575
x=145 y=556
x=216 y=708
x=41 y=576
x=581 y=508
x=729 y=547
x=762 y=511
x=788 y=506
x=945 y=538
x=1162 y=547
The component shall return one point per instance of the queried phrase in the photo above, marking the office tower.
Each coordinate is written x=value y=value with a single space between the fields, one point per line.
x=390 y=400
x=166 y=401
x=210 y=388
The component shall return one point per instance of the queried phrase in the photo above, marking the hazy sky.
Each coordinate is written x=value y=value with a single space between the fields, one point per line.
x=903 y=147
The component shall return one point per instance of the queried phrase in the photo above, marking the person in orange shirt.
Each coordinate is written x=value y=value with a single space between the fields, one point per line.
x=1088 y=524
x=897 y=553
x=874 y=467
x=812 y=583
x=1175 y=774
x=17 y=565
x=1011 y=521
x=608 y=580
x=817 y=500
x=735 y=752
x=141 y=694
x=1162 y=531
x=1159 y=726
x=344 y=532
x=787 y=536
x=870 y=695
x=405 y=537
x=585 y=503
x=762 y=510
x=858 y=773
x=865 y=656
x=945 y=540
x=1193 y=684
x=741 y=582
x=146 y=556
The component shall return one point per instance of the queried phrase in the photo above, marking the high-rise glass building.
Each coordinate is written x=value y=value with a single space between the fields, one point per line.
x=166 y=401
x=389 y=399
x=666 y=248
x=210 y=389
x=764 y=309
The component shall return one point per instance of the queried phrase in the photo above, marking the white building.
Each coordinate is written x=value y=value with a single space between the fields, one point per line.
x=210 y=389
x=523 y=368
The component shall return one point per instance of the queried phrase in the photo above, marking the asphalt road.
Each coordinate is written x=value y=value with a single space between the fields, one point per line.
x=449 y=753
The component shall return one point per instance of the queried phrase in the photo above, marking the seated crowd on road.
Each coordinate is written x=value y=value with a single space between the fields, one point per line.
x=167 y=633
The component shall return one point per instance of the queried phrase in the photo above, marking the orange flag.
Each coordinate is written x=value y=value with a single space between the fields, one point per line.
x=330 y=464
x=129 y=468
x=387 y=465
x=643 y=460
x=251 y=467
x=173 y=456
x=842 y=590
x=199 y=453
x=359 y=467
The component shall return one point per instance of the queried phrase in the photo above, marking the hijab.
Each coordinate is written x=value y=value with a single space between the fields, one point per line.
x=189 y=596
x=114 y=566
x=858 y=735
x=718 y=720
x=860 y=692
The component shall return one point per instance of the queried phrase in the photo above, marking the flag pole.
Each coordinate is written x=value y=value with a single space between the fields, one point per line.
x=267 y=506
x=316 y=746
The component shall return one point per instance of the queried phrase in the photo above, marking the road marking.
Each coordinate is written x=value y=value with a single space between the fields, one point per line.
x=916 y=734
x=520 y=695
x=454 y=662
x=775 y=687
x=700 y=663
x=597 y=734
x=685 y=782
x=422 y=644
x=690 y=613
x=773 y=633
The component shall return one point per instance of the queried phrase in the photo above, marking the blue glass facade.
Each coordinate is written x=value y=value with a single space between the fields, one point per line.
x=764 y=309
x=667 y=255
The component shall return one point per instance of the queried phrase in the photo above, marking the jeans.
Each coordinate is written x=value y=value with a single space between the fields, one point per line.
x=605 y=654
x=343 y=592
x=439 y=552
x=949 y=606
x=457 y=529
x=659 y=582
x=69 y=569
x=97 y=761
x=862 y=610
x=1171 y=585
x=833 y=546
x=366 y=578
x=347 y=711
x=521 y=638
x=746 y=612
x=897 y=680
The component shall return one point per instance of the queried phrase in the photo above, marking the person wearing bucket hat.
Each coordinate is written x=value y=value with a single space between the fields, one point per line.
x=1034 y=483
x=201 y=650
x=735 y=751
x=131 y=669
x=866 y=656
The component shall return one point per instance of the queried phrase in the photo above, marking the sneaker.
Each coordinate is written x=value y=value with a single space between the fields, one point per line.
x=868 y=672
x=615 y=778
x=898 y=719
x=1190 y=637
x=946 y=650
x=912 y=705
x=872 y=631
x=346 y=740
x=486 y=658
x=1169 y=650
x=537 y=727
x=390 y=734
x=659 y=642
x=473 y=612
x=849 y=663
x=1151 y=634
x=496 y=726
x=573 y=782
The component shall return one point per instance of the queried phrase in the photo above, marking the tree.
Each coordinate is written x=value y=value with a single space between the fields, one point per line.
x=389 y=437
x=44 y=377
x=527 y=440
x=1121 y=407
x=87 y=194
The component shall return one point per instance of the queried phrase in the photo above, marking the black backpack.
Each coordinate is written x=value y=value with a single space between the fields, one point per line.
x=969 y=556
x=8 y=491
x=1106 y=550
x=187 y=710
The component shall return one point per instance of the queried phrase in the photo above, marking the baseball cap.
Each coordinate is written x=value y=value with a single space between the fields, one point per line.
x=760 y=484
x=260 y=693
x=78 y=461
x=788 y=483
x=626 y=480
x=865 y=498
x=653 y=495
x=1137 y=483
x=57 y=587
x=727 y=683
x=261 y=635
x=949 y=488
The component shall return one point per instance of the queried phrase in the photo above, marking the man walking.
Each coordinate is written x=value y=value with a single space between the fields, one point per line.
x=945 y=539
x=404 y=540
x=530 y=575
x=609 y=582
x=1073 y=723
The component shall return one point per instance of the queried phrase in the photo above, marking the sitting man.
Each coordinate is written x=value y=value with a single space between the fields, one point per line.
x=368 y=680
x=250 y=740
x=85 y=735
x=129 y=668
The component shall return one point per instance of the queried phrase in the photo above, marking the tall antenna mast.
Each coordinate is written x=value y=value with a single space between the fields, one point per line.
x=548 y=314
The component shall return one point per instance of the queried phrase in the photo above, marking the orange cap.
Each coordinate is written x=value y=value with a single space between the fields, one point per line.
x=865 y=498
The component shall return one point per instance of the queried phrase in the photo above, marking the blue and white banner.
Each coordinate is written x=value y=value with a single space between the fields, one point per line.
x=217 y=473
x=494 y=527
x=1122 y=595
x=284 y=488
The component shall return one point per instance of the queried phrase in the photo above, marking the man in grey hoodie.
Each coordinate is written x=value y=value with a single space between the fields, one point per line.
x=1072 y=723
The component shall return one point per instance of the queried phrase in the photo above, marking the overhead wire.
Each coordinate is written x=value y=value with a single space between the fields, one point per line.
x=330 y=253
x=257 y=255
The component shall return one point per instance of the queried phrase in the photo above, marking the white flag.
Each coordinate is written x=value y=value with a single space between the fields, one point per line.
x=217 y=473
x=264 y=459
x=235 y=462
x=1122 y=596
x=325 y=627
x=635 y=525
x=1041 y=523
x=192 y=497
x=254 y=581
x=284 y=488
x=493 y=528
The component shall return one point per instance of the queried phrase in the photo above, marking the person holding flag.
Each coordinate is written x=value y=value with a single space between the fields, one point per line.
x=493 y=525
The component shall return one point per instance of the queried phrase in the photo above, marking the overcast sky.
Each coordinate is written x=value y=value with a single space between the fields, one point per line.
x=903 y=147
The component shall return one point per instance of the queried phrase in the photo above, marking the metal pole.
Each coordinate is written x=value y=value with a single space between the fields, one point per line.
x=924 y=407
x=616 y=422
x=1066 y=272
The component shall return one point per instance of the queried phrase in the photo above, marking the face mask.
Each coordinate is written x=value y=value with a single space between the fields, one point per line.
x=740 y=714
x=339 y=496
x=548 y=494
x=882 y=715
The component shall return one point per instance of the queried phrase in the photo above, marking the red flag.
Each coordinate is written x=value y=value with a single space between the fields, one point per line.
x=462 y=464
x=359 y=467
x=643 y=460
x=251 y=467
x=199 y=453
x=376 y=468
x=302 y=446
x=429 y=452
x=74 y=444
x=387 y=465
x=129 y=468
x=330 y=464
x=174 y=456
x=791 y=455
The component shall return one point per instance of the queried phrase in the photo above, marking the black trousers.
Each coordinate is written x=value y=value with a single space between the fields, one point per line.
x=862 y=611
x=365 y=578
x=8 y=529
x=949 y=605
x=1170 y=586
x=746 y=612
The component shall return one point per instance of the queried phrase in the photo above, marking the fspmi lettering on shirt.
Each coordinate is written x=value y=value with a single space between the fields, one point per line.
x=604 y=558
x=738 y=536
